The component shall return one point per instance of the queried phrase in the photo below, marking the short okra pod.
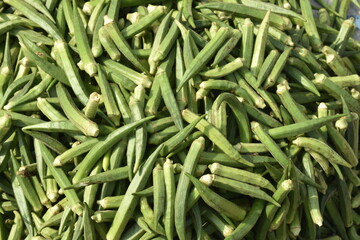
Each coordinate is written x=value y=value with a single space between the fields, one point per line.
x=92 y=105
x=5 y=125
x=103 y=216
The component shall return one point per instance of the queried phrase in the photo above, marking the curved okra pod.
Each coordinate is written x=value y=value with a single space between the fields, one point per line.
x=104 y=145
x=300 y=65
x=322 y=148
x=215 y=136
x=49 y=111
x=277 y=69
x=299 y=77
x=49 y=141
x=168 y=41
x=31 y=94
x=239 y=112
x=69 y=154
x=108 y=44
x=236 y=186
x=88 y=127
x=160 y=35
x=217 y=202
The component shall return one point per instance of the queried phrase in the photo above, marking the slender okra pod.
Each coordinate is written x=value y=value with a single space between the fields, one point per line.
x=184 y=185
x=217 y=202
x=204 y=56
x=129 y=202
x=322 y=148
x=236 y=186
x=215 y=135
x=259 y=46
x=247 y=41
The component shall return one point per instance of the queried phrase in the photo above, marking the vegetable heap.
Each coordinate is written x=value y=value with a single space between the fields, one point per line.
x=179 y=120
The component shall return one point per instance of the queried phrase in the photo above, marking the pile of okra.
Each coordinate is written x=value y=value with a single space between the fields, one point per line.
x=189 y=119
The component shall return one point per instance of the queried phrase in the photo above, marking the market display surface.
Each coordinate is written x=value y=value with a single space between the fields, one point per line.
x=151 y=119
